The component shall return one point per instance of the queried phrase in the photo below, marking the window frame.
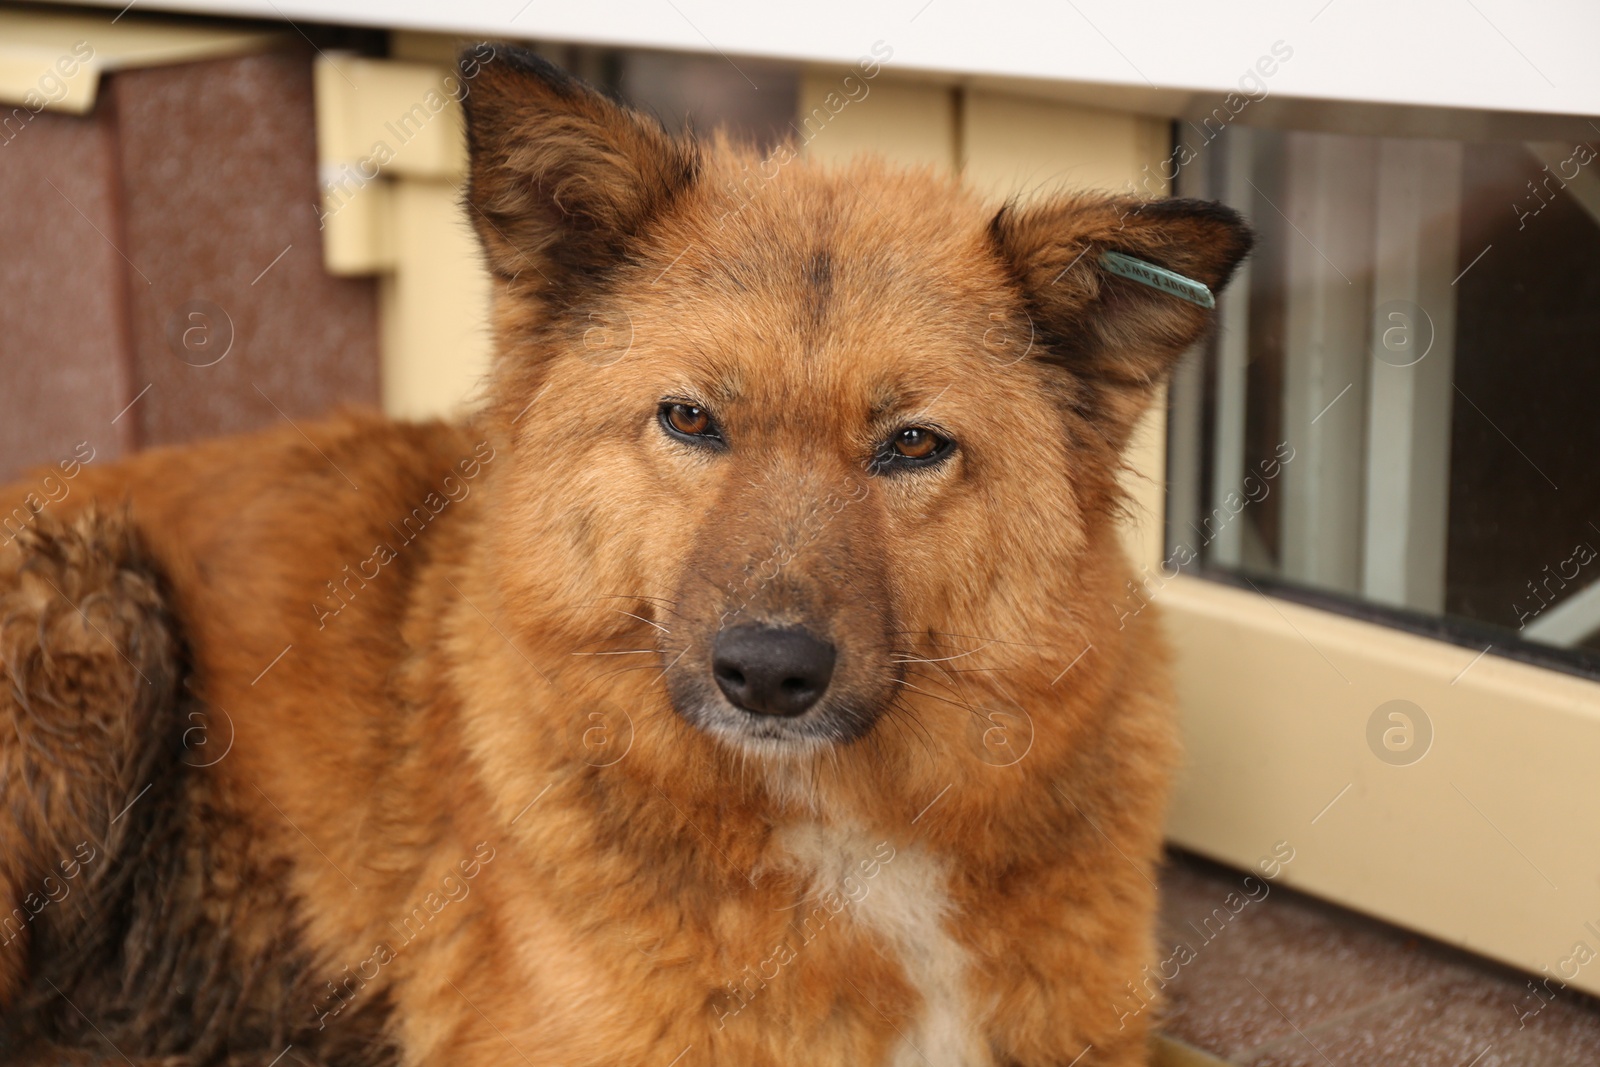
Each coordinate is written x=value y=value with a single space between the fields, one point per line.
x=1278 y=684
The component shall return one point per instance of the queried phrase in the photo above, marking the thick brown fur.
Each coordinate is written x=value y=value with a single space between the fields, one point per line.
x=438 y=773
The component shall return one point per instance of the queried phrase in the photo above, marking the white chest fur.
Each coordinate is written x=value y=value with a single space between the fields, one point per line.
x=901 y=895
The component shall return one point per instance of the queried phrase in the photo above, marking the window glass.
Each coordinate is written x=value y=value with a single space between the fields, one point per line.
x=1397 y=413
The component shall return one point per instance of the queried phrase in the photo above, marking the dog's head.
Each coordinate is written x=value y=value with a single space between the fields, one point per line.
x=776 y=430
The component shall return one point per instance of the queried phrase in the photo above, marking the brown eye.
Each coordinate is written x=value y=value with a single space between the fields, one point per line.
x=690 y=421
x=914 y=446
x=686 y=418
x=916 y=443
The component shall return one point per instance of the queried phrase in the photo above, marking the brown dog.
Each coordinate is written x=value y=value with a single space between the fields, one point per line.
x=744 y=685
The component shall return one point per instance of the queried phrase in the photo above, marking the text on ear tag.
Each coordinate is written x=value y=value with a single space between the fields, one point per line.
x=1158 y=278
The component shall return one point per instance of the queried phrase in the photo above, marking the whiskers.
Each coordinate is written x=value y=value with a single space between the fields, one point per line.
x=641 y=618
x=658 y=603
x=907 y=658
x=647 y=605
x=940 y=674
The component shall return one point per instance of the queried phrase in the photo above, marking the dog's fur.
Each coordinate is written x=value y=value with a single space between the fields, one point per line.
x=390 y=744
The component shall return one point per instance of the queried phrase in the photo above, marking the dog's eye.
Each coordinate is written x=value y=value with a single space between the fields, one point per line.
x=916 y=443
x=690 y=421
x=914 y=446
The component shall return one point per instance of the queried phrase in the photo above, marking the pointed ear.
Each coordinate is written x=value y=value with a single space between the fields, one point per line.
x=1117 y=337
x=561 y=176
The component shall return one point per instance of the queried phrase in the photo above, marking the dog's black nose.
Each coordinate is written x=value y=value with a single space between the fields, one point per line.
x=772 y=671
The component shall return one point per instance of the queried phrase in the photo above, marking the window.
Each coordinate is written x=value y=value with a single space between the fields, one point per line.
x=1396 y=417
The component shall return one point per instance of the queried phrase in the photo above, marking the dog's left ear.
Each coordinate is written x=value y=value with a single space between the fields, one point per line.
x=1117 y=336
x=562 y=176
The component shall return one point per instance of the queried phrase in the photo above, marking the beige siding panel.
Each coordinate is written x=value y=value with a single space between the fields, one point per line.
x=435 y=305
x=390 y=149
x=1019 y=144
x=1480 y=841
x=905 y=121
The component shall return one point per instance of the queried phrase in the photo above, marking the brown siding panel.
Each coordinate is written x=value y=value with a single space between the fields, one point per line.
x=63 y=346
x=219 y=179
x=183 y=186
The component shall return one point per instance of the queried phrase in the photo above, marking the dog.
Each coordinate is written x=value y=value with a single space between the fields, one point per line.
x=742 y=684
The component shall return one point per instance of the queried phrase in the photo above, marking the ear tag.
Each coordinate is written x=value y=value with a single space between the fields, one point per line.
x=1170 y=282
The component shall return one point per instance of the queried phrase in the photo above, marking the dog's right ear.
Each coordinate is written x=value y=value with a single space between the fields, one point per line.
x=561 y=176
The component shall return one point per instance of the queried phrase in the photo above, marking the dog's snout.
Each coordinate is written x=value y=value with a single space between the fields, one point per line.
x=771 y=671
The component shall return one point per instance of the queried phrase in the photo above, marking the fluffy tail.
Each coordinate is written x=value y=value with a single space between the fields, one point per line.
x=89 y=667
